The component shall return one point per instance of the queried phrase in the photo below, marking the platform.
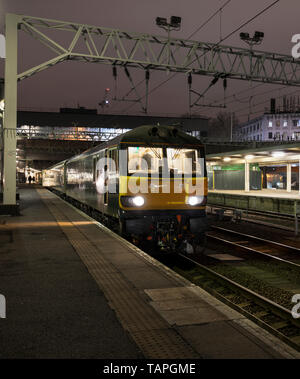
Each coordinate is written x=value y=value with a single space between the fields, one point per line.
x=274 y=193
x=74 y=289
x=277 y=201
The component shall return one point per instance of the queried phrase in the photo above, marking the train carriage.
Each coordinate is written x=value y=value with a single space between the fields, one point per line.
x=151 y=180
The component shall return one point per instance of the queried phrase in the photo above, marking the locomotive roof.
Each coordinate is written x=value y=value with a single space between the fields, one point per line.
x=147 y=135
x=159 y=134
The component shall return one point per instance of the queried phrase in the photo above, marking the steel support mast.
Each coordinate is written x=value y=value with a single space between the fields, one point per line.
x=10 y=111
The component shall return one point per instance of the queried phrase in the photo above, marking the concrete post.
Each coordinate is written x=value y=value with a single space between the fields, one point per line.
x=289 y=177
x=299 y=177
x=296 y=214
x=247 y=176
x=10 y=112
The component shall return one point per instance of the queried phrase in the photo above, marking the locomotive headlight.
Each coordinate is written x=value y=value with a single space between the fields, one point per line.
x=196 y=200
x=138 y=201
x=132 y=201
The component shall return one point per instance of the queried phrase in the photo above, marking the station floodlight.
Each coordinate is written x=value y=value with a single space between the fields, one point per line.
x=258 y=35
x=244 y=36
x=175 y=21
x=161 y=21
x=255 y=40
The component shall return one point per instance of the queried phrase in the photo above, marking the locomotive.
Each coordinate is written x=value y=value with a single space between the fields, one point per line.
x=151 y=182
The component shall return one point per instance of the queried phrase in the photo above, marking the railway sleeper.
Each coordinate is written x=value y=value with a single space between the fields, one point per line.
x=230 y=296
x=245 y=304
x=279 y=325
x=199 y=277
x=208 y=283
x=261 y=314
x=220 y=289
x=295 y=339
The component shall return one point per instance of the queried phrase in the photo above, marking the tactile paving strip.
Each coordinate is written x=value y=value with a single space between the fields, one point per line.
x=152 y=334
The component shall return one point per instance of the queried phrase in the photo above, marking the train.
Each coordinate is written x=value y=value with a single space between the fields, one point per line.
x=150 y=182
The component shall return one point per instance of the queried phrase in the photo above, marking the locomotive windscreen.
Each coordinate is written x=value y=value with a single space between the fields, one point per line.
x=146 y=161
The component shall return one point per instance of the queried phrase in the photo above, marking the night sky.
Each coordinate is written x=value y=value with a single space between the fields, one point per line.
x=71 y=84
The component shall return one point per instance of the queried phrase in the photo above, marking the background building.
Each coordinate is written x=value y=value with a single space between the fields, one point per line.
x=279 y=124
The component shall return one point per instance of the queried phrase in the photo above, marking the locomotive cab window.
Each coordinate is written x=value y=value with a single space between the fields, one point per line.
x=165 y=161
x=144 y=160
x=185 y=161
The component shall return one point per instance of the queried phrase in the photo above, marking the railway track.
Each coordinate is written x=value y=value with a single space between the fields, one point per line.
x=255 y=246
x=266 y=218
x=271 y=316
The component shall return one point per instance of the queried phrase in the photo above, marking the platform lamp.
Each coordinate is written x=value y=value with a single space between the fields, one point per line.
x=256 y=39
x=174 y=24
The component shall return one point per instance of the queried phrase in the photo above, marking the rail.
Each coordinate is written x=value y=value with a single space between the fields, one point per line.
x=269 y=315
x=292 y=252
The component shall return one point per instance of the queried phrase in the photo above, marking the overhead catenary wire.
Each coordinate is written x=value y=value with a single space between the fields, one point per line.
x=190 y=36
x=215 y=45
x=249 y=89
x=202 y=25
x=258 y=94
x=266 y=101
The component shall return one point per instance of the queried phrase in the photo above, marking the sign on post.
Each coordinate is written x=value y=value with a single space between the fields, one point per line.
x=2 y=306
x=2 y=46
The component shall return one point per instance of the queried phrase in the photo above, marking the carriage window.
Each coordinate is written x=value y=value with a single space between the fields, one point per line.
x=144 y=160
x=94 y=168
x=113 y=155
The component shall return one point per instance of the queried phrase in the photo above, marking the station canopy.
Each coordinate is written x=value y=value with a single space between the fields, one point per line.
x=272 y=154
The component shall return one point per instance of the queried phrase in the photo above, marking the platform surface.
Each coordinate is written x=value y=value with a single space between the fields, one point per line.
x=275 y=193
x=74 y=289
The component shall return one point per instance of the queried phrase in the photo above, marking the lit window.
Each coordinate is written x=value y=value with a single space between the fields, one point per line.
x=270 y=124
x=144 y=160
x=285 y=123
x=277 y=123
